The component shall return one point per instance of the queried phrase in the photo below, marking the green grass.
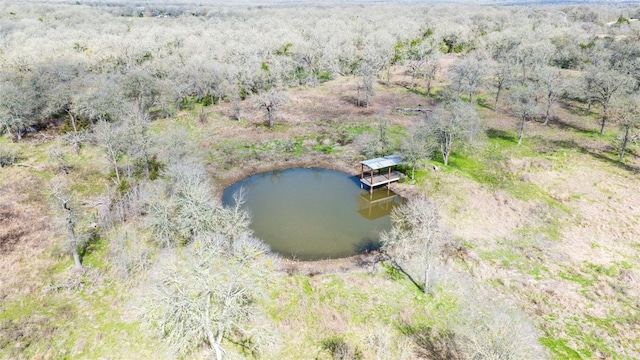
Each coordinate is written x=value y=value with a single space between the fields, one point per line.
x=589 y=343
x=560 y=348
x=392 y=272
x=503 y=256
x=514 y=256
x=358 y=129
x=356 y=302
x=610 y=271
x=578 y=278
x=83 y=323
x=96 y=254
x=306 y=286
x=475 y=169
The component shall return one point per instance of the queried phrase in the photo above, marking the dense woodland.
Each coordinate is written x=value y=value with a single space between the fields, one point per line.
x=122 y=122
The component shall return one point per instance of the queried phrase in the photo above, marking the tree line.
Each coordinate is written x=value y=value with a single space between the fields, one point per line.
x=80 y=65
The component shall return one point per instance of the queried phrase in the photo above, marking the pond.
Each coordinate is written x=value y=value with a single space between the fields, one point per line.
x=312 y=213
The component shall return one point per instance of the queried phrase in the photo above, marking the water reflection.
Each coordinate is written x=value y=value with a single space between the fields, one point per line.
x=379 y=203
x=311 y=214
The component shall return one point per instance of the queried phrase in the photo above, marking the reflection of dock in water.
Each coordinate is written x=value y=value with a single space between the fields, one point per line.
x=379 y=203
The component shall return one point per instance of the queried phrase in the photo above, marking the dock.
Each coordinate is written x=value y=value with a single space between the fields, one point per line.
x=371 y=180
x=380 y=171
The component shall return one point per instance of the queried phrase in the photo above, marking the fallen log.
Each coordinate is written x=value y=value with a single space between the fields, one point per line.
x=418 y=109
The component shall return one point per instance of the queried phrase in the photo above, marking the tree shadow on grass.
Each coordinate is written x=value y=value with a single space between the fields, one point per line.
x=352 y=100
x=565 y=125
x=432 y=343
x=554 y=145
x=572 y=144
x=575 y=110
x=497 y=134
x=483 y=103
x=417 y=91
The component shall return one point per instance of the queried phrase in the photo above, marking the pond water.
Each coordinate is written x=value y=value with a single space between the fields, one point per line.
x=311 y=213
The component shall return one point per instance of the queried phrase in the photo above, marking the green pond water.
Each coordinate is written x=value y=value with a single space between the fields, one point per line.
x=311 y=213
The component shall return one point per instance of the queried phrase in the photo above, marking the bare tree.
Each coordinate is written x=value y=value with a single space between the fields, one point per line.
x=141 y=88
x=17 y=112
x=429 y=71
x=185 y=208
x=466 y=76
x=271 y=101
x=60 y=99
x=140 y=144
x=627 y=112
x=500 y=77
x=453 y=124
x=101 y=99
x=233 y=222
x=195 y=207
x=69 y=221
x=367 y=81
x=415 y=233
x=208 y=294
x=416 y=147
x=552 y=85
x=161 y=219
x=414 y=66
x=625 y=57
x=602 y=85
x=530 y=55
x=112 y=140
x=376 y=143
x=129 y=254
x=524 y=107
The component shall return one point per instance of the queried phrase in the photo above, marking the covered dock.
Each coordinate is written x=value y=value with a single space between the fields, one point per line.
x=379 y=171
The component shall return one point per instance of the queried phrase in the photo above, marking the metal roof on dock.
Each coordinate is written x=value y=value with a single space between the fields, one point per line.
x=383 y=162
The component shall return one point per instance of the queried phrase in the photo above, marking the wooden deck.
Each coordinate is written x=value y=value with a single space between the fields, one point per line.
x=379 y=179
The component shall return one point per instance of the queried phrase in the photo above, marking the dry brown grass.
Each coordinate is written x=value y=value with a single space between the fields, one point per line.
x=25 y=232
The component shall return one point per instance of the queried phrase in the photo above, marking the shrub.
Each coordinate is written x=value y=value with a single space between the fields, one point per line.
x=340 y=349
x=8 y=155
x=128 y=254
